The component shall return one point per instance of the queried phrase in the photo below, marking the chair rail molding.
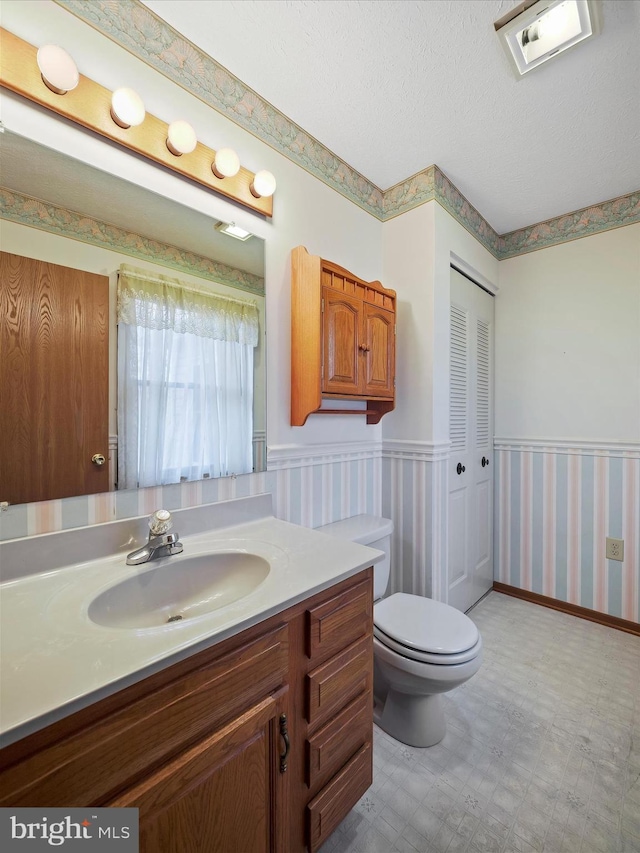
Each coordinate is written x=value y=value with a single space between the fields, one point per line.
x=569 y=446
x=282 y=456
x=418 y=451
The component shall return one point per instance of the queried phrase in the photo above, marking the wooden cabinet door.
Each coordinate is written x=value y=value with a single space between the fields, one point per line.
x=340 y=342
x=224 y=795
x=379 y=340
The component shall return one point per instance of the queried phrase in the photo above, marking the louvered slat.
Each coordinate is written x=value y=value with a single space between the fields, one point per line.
x=458 y=380
x=482 y=385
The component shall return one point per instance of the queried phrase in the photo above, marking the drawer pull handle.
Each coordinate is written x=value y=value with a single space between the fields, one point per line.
x=284 y=734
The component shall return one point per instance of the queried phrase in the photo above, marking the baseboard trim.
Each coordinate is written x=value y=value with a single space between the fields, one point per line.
x=566 y=607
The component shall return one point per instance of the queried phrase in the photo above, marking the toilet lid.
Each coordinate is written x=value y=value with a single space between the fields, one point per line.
x=425 y=625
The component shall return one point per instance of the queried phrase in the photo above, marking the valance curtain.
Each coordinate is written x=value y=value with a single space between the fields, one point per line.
x=185 y=381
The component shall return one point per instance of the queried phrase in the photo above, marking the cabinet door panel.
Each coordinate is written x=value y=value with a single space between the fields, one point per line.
x=222 y=796
x=379 y=333
x=340 y=342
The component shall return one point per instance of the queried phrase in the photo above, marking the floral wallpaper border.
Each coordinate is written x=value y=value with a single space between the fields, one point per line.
x=135 y=27
x=57 y=220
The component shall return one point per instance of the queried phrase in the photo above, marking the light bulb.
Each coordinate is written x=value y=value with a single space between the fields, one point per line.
x=59 y=71
x=127 y=109
x=226 y=163
x=263 y=184
x=181 y=138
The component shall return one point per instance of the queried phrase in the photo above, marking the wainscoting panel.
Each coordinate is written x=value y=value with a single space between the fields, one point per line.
x=310 y=486
x=414 y=496
x=555 y=504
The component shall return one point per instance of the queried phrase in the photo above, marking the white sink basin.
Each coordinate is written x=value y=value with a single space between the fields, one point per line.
x=179 y=589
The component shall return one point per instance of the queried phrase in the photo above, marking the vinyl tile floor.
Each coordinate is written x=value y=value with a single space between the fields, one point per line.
x=542 y=751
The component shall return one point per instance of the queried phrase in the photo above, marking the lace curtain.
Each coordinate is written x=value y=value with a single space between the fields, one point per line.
x=185 y=381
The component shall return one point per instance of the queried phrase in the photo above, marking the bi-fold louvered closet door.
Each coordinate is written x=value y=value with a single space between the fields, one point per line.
x=470 y=538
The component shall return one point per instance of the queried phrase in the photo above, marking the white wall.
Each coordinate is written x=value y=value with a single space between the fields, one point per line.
x=408 y=268
x=306 y=211
x=324 y=471
x=418 y=248
x=568 y=341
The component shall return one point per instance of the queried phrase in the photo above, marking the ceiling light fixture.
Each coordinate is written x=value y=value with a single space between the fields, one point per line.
x=263 y=184
x=43 y=75
x=233 y=230
x=181 y=138
x=537 y=30
x=226 y=163
x=127 y=108
x=58 y=70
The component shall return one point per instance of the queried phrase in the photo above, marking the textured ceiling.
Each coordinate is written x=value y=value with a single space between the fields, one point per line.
x=392 y=86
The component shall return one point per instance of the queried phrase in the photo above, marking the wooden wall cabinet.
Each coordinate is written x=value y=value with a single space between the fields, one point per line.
x=198 y=747
x=343 y=336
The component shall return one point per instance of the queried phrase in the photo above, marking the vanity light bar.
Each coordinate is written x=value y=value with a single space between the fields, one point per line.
x=93 y=106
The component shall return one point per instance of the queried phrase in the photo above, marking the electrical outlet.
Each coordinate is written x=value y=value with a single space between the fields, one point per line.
x=615 y=549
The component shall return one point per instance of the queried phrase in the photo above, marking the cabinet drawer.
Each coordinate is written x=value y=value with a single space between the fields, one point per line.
x=332 y=804
x=331 y=747
x=91 y=765
x=332 y=626
x=336 y=682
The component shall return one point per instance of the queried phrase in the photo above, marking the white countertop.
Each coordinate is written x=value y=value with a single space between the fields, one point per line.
x=55 y=660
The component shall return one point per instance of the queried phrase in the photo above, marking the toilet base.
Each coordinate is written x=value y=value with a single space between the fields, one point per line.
x=414 y=720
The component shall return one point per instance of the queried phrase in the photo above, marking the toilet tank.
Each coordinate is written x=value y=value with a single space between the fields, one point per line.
x=371 y=530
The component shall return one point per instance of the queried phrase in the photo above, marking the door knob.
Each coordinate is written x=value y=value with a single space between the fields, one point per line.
x=460 y=468
x=98 y=459
x=485 y=461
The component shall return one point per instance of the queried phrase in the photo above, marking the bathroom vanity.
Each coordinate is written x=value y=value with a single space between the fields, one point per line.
x=260 y=739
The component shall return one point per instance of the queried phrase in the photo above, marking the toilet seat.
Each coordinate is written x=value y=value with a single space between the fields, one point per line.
x=425 y=630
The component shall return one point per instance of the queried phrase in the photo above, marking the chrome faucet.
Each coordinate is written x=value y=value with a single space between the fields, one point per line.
x=161 y=543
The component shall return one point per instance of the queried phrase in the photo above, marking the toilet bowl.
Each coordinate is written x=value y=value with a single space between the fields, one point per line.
x=422 y=648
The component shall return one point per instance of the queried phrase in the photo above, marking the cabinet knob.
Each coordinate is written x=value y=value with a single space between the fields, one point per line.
x=485 y=461
x=460 y=468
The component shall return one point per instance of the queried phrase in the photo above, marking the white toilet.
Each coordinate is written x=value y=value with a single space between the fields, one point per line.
x=422 y=648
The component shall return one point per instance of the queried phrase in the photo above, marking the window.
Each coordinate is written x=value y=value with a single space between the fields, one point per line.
x=185 y=382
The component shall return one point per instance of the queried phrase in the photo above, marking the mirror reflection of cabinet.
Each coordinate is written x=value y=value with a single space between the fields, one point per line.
x=54 y=367
x=343 y=333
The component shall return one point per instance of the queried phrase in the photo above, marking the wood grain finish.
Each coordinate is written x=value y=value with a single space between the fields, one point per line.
x=89 y=105
x=380 y=366
x=327 y=810
x=342 y=340
x=336 y=623
x=338 y=740
x=617 y=622
x=218 y=796
x=334 y=683
x=54 y=366
x=125 y=744
x=196 y=746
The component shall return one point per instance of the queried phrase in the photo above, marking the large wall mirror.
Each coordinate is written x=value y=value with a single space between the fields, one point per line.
x=68 y=233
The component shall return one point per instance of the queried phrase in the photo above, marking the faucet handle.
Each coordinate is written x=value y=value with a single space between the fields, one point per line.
x=160 y=522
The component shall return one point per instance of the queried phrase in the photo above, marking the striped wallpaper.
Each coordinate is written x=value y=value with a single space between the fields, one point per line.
x=414 y=496
x=554 y=507
x=310 y=485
